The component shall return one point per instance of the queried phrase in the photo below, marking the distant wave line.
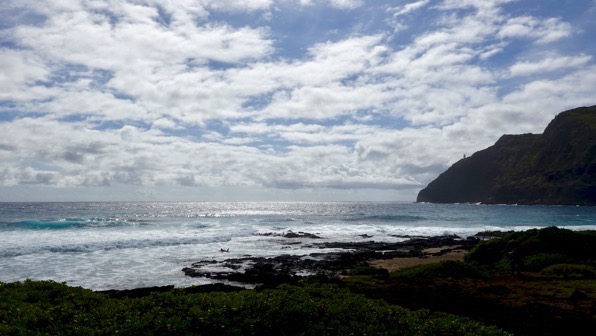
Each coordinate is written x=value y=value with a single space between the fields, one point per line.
x=74 y=223
x=387 y=218
x=109 y=246
x=68 y=223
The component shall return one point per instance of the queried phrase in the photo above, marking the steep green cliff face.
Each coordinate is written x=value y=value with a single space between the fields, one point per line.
x=556 y=167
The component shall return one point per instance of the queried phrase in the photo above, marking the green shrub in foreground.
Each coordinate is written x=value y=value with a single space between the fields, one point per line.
x=370 y=271
x=541 y=248
x=567 y=271
x=444 y=269
x=49 y=308
x=537 y=262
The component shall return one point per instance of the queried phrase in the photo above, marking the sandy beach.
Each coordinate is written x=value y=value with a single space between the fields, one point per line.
x=432 y=255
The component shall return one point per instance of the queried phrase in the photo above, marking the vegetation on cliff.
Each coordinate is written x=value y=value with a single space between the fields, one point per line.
x=556 y=167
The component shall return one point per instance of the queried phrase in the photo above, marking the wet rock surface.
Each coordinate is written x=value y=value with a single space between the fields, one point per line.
x=270 y=272
x=292 y=234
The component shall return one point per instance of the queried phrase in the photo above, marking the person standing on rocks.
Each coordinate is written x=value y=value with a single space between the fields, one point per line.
x=518 y=250
x=515 y=256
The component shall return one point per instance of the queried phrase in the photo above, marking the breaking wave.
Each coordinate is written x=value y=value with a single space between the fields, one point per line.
x=69 y=223
x=109 y=246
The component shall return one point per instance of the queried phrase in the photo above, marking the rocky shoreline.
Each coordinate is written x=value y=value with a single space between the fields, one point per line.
x=249 y=272
x=270 y=272
x=536 y=301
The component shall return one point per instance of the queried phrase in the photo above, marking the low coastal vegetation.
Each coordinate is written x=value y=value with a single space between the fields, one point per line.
x=534 y=250
x=444 y=269
x=46 y=307
x=536 y=282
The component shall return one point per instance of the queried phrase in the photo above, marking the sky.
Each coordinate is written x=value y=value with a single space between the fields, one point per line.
x=275 y=100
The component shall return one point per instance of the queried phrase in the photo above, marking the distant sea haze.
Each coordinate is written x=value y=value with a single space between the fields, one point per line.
x=129 y=245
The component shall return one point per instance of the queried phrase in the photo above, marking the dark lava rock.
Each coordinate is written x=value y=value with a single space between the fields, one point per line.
x=556 y=167
x=136 y=292
x=270 y=272
x=578 y=295
x=146 y=291
x=214 y=287
x=291 y=234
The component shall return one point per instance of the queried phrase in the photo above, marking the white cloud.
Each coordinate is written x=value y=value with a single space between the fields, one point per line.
x=491 y=51
x=339 y=4
x=19 y=73
x=251 y=129
x=407 y=8
x=547 y=64
x=346 y=4
x=164 y=123
x=162 y=69
x=541 y=31
x=154 y=95
x=558 y=94
x=140 y=44
x=451 y=4
x=237 y=5
x=322 y=102
x=19 y=67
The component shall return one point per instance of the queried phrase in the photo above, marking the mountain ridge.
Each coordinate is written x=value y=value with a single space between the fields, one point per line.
x=555 y=167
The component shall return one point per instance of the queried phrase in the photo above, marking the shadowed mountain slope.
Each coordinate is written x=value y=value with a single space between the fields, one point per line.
x=556 y=167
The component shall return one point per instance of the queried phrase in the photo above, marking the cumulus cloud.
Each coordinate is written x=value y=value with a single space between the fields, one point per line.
x=541 y=31
x=237 y=5
x=407 y=8
x=346 y=4
x=19 y=71
x=550 y=63
x=185 y=96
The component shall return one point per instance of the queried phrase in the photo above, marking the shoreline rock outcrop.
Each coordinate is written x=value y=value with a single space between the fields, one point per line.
x=273 y=271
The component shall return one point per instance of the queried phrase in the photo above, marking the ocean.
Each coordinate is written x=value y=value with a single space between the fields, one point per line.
x=125 y=245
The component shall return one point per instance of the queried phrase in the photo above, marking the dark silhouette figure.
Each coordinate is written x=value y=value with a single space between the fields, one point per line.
x=518 y=250
x=227 y=250
x=515 y=255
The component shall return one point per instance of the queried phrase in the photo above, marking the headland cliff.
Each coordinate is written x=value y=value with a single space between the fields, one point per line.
x=556 y=167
